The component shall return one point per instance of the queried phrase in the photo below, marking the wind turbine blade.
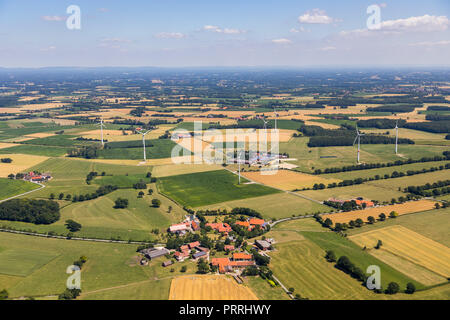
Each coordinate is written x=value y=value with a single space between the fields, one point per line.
x=355 y=139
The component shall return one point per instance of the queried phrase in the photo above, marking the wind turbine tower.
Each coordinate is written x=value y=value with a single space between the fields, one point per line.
x=101 y=129
x=276 y=116
x=396 y=137
x=358 y=137
x=143 y=142
x=265 y=124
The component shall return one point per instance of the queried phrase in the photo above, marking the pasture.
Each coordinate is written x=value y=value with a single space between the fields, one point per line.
x=208 y=287
x=365 y=190
x=177 y=169
x=301 y=265
x=286 y=179
x=278 y=206
x=402 y=243
x=403 y=182
x=205 y=188
x=402 y=208
x=10 y=188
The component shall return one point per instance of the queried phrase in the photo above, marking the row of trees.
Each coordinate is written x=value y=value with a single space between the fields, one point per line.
x=366 y=166
x=329 y=141
x=393 y=175
x=430 y=189
x=101 y=191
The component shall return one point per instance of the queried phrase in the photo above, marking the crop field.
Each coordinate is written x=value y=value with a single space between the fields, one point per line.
x=209 y=288
x=9 y=188
x=287 y=180
x=48 y=151
x=269 y=205
x=432 y=224
x=161 y=148
x=370 y=173
x=365 y=190
x=176 y=169
x=61 y=140
x=20 y=163
x=361 y=258
x=205 y=188
x=410 y=246
x=403 y=208
x=403 y=182
x=301 y=265
x=309 y=159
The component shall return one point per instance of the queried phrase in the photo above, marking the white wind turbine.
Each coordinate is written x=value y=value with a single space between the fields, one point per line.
x=396 y=136
x=143 y=141
x=276 y=116
x=265 y=124
x=358 y=137
x=101 y=129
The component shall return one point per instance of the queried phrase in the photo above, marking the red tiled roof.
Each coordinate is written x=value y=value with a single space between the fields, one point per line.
x=194 y=244
x=255 y=221
x=242 y=256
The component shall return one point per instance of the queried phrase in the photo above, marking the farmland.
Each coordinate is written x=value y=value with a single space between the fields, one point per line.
x=9 y=188
x=403 y=208
x=208 y=288
x=200 y=189
x=403 y=243
x=287 y=180
x=269 y=206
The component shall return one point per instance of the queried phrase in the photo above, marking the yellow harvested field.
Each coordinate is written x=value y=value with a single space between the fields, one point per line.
x=322 y=124
x=176 y=169
x=105 y=132
x=208 y=288
x=150 y=162
x=7 y=145
x=20 y=163
x=286 y=179
x=40 y=135
x=409 y=245
x=403 y=208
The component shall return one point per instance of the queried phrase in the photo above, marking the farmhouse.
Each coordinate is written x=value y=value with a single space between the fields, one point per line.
x=153 y=253
x=221 y=227
x=263 y=244
x=33 y=177
x=201 y=254
x=229 y=247
x=193 y=245
x=180 y=228
x=167 y=263
x=240 y=260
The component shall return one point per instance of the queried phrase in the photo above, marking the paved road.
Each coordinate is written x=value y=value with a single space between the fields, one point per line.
x=22 y=194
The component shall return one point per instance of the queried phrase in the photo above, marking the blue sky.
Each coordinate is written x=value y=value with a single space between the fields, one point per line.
x=177 y=33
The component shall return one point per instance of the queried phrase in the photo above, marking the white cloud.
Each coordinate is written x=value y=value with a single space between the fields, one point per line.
x=425 y=23
x=430 y=43
x=53 y=18
x=295 y=30
x=170 y=35
x=222 y=30
x=282 y=41
x=315 y=16
x=51 y=48
x=330 y=48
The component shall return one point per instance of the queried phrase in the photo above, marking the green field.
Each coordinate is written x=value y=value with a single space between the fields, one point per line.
x=309 y=159
x=121 y=181
x=10 y=188
x=403 y=182
x=433 y=224
x=301 y=265
x=48 y=151
x=370 y=173
x=365 y=190
x=205 y=188
x=161 y=148
x=344 y=247
x=280 y=205
x=61 y=140
x=23 y=262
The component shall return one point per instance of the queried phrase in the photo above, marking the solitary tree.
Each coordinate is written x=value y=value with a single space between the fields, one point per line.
x=156 y=203
x=371 y=219
x=330 y=256
x=72 y=225
x=393 y=288
x=382 y=217
x=410 y=288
